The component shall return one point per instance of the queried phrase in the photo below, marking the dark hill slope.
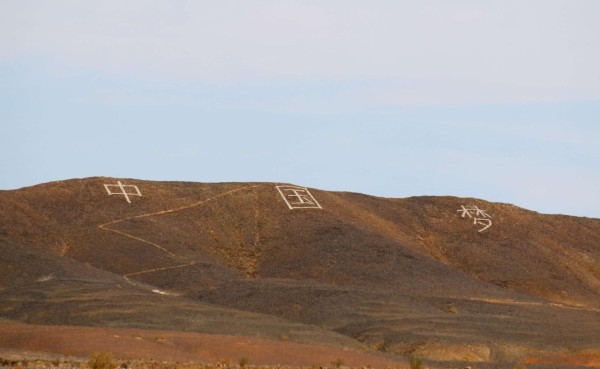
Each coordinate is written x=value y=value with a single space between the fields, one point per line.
x=41 y=288
x=409 y=275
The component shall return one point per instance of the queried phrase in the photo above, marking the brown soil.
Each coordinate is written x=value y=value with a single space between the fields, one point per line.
x=138 y=344
x=402 y=276
x=585 y=358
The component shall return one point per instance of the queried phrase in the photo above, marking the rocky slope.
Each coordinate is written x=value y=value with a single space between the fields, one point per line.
x=450 y=279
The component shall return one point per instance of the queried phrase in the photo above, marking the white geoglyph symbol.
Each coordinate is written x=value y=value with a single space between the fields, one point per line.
x=480 y=217
x=298 y=197
x=123 y=189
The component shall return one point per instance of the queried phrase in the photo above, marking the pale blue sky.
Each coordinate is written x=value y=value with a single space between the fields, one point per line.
x=498 y=100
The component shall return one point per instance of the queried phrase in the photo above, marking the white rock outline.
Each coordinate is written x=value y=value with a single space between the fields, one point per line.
x=123 y=191
x=312 y=202
x=479 y=216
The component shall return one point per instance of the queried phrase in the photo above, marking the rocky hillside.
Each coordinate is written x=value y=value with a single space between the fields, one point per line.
x=449 y=279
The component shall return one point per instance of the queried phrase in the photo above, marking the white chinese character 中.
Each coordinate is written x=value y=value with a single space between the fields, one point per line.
x=123 y=190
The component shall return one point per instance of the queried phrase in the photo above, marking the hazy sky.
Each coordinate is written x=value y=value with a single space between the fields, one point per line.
x=498 y=100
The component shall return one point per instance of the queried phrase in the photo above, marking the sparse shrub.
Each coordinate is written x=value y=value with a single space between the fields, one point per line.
x=163 y=340
x=416 y=362
x=224 y=363
x=243 y=362
x=378 y=345
x=451 y=309
x=338 y=362
x=101 y=361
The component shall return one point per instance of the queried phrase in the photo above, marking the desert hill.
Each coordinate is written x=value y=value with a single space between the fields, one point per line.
x=446 y=278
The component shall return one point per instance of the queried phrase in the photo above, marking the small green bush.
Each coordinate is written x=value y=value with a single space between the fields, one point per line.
x=416 y=362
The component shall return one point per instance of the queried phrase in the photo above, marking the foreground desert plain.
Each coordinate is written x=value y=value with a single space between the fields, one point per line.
x=173 y=274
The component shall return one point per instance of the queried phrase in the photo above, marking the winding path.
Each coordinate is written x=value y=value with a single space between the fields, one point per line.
x=106 y=227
